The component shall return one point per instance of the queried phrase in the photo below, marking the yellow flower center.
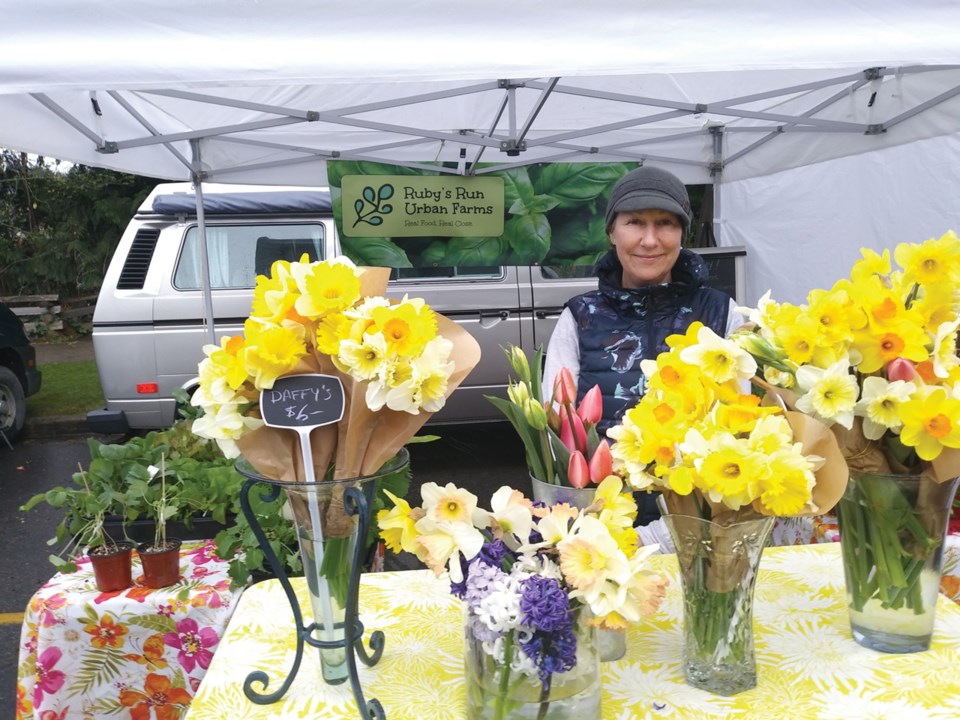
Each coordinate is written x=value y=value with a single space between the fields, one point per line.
x=938 y=426
x=663 y=413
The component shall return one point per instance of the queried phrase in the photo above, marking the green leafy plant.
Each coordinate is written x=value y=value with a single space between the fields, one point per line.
x=92 y=534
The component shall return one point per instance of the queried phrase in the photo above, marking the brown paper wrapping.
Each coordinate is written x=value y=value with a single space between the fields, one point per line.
x=363 y=440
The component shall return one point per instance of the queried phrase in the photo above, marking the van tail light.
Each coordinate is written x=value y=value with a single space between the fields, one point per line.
x=147 y=388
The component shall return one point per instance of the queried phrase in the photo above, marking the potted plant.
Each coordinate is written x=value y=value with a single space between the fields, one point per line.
x=110 y=559
x=160 y=558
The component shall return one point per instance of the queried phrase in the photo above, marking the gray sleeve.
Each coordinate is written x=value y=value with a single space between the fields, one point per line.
x=734 y=319
x=562 y=351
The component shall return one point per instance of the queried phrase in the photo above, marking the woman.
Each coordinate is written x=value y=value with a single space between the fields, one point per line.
x=650 y=287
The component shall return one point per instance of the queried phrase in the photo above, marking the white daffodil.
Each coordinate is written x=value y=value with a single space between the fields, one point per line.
x=590 y=557
x=880 y=404
x=944 y=353
x=760 y=316
x=363 y=360
x=719 y=359
x=440 y=544
x=448 y=503
x=828 y=394
x=511 y=511
x=225 y=424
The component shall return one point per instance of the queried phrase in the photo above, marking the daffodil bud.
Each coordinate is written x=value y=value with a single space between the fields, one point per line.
x=518 y=361
x=534 y=414
x=518 y=393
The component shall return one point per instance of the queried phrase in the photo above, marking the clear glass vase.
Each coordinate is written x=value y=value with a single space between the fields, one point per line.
x=892 y=534
x=498 y=689
x=613 y=643
x=327 y=535
x=718 y=573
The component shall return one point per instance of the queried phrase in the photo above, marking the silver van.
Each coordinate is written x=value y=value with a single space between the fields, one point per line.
x=148 y=326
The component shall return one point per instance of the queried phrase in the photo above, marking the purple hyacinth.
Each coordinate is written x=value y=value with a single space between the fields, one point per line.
x=544 y=604
x=480 y=581
x=545 y=608
x=494 y=551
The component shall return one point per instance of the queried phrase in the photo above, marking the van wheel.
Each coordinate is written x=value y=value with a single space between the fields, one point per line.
x=13 y=408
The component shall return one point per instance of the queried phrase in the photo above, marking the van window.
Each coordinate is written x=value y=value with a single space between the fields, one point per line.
x=238 y=253
x=566 y=272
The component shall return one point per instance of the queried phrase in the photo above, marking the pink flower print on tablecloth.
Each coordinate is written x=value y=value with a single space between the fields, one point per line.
x=51 y=715
x=202 y=555
x=45 y=608
x=194 y=645
x=211 y=596
x=49 y=680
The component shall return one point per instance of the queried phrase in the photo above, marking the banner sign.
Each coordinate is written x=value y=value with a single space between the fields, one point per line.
x=421 y=206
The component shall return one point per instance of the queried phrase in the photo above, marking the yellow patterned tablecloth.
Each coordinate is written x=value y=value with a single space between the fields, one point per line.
x=808 y=664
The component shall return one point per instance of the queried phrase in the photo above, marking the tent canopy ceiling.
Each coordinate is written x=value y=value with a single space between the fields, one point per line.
x=266 y=92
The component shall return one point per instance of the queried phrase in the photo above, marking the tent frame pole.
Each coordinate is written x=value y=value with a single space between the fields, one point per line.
x=196 y=175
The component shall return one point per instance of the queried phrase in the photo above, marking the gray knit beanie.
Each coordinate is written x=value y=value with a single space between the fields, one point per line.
x=650 y=188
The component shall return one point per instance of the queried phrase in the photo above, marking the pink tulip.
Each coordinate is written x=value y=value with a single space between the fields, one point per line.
x=901 y=369
x=577 y=471
x=572 y=433
x=591 y=407
x=601 y=464
x=564 y=388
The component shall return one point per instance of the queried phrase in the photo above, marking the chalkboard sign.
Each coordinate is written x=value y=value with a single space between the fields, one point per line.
x=302 y=401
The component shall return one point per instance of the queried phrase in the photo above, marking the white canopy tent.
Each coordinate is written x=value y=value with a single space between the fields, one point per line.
x=753 y=96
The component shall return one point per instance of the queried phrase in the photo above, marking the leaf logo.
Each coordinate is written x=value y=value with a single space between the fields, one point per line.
x=373 y=205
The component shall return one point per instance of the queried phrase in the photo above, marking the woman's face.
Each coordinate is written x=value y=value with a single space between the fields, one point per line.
x=647 y=244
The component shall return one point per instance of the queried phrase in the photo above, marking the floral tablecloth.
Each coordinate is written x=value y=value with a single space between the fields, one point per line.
x=824 y=529
x=139 y=653
x=808 y=664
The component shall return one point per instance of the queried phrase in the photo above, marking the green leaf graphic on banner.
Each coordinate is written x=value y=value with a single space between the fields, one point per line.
x=573 y=184
x=474 y=251
x=380 y=252
x=528 y=237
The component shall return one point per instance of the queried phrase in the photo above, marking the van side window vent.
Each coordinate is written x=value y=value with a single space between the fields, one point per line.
x=135 y=268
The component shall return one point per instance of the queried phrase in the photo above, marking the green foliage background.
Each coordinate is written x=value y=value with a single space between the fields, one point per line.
x=58 y=230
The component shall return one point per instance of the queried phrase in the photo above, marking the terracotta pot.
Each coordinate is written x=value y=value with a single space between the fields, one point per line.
x=160 y=567
x=112 y=570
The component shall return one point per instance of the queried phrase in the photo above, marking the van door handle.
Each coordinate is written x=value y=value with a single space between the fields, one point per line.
x=489 y=319
x=544 y=314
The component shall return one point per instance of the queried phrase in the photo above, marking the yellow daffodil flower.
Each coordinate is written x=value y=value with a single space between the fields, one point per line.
x=325 y=287
x=271 y=351
x=398 y=525
x=931 y=421
x=719 y=359
x=930 y=262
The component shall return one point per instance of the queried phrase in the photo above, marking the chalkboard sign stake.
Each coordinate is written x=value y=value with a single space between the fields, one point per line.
x=302 y=403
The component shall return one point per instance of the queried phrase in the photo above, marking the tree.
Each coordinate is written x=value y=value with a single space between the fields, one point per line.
x=58 y=230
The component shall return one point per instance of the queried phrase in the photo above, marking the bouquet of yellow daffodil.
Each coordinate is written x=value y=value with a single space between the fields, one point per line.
x=714 y=450
x=724 y=463
x=532 y=578
x=875 y=359
x=397 y=362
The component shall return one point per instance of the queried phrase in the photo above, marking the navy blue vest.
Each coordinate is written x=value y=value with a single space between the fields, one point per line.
x=619 y=327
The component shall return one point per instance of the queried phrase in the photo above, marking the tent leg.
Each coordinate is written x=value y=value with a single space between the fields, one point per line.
x=202 y=230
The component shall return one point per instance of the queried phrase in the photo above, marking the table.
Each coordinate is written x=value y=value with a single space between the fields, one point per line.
x=806 y=659
x=128 y=654
x=825 y=529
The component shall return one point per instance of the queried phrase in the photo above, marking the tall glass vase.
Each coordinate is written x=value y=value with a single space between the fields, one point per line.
x=500 y=685
x=612 y=643
x=892 y=534
x=327 y=535
x=718 y=573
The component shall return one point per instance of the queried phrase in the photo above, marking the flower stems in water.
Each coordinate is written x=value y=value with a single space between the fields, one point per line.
x=885 y=546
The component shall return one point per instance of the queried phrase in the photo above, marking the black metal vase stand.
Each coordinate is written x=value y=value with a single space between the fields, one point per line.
x=356 y=502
